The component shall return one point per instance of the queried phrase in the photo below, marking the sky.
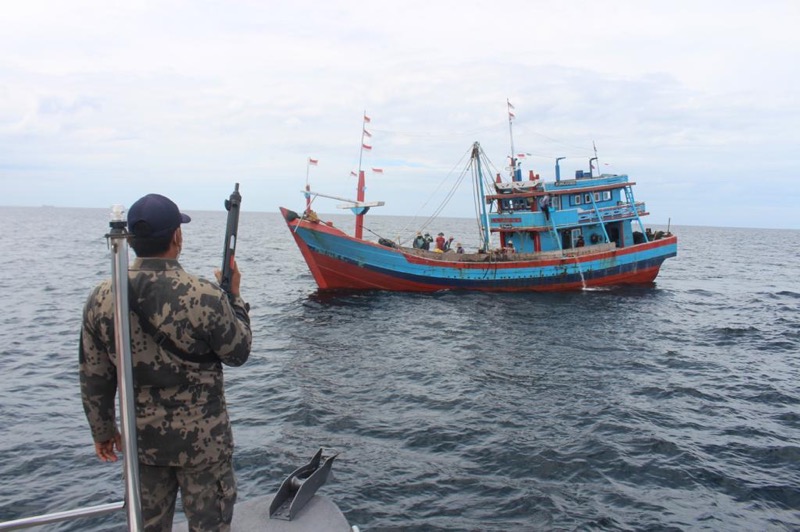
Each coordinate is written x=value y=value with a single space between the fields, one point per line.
x=697 y=101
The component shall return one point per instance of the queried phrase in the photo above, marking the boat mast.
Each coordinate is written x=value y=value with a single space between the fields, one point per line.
x=359 y=233
x=476 y=156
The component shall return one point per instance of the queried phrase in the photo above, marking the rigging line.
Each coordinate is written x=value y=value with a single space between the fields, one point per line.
x=449 y=196
x=444 y=203
x=373 y=232
x=425 y=224
x=489 y=166
x=487 y=179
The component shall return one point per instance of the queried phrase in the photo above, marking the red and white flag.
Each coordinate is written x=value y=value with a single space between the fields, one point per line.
x=313 y=162
x=520 y=156
x=353 y=173
x=510 y=106
x=367 y=133
x=510 y=109
x=366 y=147
x=366 y=119
x=378 y=170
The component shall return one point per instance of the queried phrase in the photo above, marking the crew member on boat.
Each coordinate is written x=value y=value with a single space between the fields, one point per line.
x=440 y=242
x=419 y=241
x=544 y=205
x=427 y=244
x=183 y=328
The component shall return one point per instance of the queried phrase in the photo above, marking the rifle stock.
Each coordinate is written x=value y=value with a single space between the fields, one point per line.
x=232 y=205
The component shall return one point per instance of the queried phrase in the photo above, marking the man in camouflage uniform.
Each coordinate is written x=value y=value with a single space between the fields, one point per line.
x=183 y=328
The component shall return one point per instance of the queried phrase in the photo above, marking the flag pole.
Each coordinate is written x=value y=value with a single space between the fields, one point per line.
x=359 y=229
x=363 y=133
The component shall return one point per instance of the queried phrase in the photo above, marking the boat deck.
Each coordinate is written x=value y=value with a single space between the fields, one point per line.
x=506 y=256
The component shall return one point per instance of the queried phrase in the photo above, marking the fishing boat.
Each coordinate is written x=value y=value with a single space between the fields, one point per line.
x=564 y=234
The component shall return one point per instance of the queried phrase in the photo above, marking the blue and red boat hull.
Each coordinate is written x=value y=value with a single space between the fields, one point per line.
x=341 y=262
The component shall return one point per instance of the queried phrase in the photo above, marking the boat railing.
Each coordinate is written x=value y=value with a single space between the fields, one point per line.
x=566 y=218
x=58 y=517
x=117 y=239
x=586 y=181
x=500 y=255
x=615 y=212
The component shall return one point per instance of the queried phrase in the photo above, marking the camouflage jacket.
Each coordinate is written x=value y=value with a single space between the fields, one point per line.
x=181 y=415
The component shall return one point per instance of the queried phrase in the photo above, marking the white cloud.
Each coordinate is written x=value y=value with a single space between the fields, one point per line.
x=98 y=99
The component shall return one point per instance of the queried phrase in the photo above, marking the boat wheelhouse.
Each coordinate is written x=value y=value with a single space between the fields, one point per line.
x=565 y=214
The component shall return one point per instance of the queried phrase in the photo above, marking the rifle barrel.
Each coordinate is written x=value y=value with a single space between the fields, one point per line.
x=232 y=205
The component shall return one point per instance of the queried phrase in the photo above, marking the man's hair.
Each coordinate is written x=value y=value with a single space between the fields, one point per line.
x=148 y=246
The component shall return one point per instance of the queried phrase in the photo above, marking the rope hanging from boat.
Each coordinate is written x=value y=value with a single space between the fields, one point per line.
x=468 y=167
x=406 y=229
x=465 y=168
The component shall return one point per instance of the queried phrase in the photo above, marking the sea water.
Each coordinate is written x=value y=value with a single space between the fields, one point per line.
x=673 y=406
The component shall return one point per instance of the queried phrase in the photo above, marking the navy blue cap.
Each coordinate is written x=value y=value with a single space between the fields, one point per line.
x=160 y=214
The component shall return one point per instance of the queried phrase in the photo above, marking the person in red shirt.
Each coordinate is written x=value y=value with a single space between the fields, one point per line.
x=440 y=242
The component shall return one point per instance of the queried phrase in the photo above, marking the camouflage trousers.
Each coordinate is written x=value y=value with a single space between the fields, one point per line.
x=208 y=494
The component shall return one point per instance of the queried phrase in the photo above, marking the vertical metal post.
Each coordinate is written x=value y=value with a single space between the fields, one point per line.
x=558 y=169
x=118 y=242
x=476 y=157
x=360 y=211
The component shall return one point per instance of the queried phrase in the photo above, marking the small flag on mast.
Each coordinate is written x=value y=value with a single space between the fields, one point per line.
x=353 y=173
x=366 y=147
x=510 y=109
x=378 y=170
x=367 y=133
x=366 y=118
x=313 y=162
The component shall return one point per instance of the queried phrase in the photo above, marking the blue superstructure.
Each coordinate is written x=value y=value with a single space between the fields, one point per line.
x=532 y=216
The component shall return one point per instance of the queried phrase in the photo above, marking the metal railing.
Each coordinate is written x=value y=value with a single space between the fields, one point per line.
x=118 y=244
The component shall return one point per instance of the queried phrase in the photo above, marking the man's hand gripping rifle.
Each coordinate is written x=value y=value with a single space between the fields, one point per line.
x=229 y=269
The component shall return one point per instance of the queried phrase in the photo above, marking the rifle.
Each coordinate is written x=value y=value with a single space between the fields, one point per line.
x=228 y=255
